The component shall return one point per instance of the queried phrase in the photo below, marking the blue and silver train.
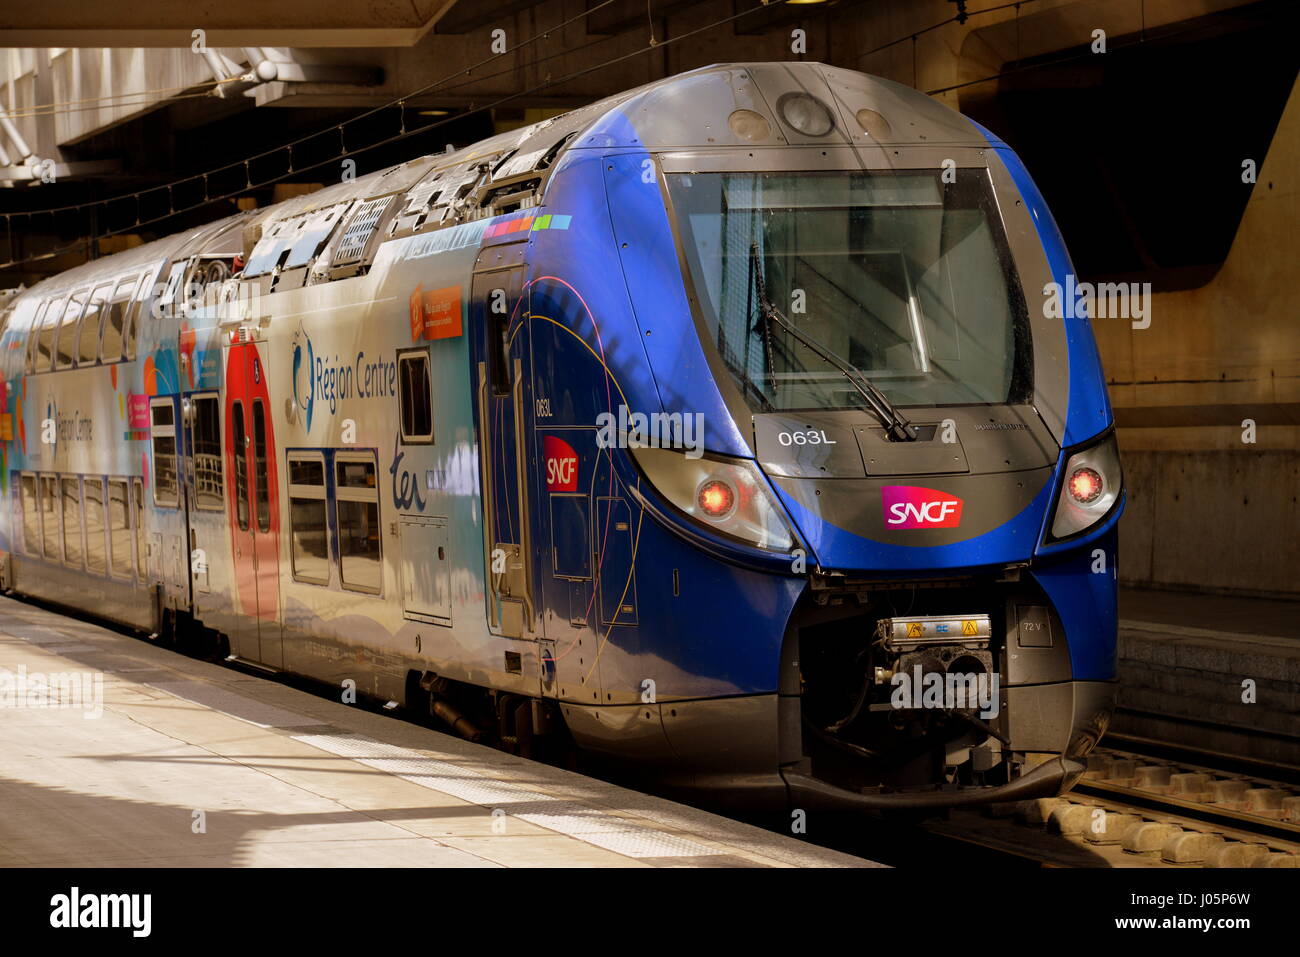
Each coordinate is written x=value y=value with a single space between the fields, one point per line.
x=717 y=429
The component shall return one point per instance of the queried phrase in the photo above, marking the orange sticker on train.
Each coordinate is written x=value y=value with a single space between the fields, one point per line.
x=441 y=312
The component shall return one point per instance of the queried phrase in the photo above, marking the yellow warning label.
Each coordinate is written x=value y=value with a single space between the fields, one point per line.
x=969 y=628
x=915 y=629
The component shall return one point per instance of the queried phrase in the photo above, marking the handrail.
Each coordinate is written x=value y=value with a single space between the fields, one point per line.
x=521 y=479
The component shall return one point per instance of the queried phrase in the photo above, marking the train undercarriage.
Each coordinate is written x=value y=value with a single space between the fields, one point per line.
x=936 y=692
x=893 y=695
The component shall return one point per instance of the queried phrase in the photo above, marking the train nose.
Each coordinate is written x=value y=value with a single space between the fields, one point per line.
x=972 y=490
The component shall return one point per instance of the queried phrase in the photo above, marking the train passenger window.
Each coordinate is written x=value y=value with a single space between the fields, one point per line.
x=93 y=497
x=308 y=538
x=114 y=324
x=209 y=488
x=415 y=395
x=165 y=485
x=240 y=442
x=88 y=337
x=31 y=515
x=137 y=509
x=72 y=551
x=110 y=348
x=260 y=480
x=45 y=335
x=499 y=346
x=119 y=529
x=67 y=341
x=357 y=513
x=33 y=335
x=132 y=328
x=50 y=517
x=171 y=288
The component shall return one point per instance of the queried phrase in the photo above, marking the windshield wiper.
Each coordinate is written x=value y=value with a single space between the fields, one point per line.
x=897 y=426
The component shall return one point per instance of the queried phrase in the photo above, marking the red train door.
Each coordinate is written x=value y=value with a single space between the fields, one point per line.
x=253 y=507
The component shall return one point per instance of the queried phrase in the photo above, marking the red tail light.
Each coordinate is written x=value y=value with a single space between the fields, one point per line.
x=1091 y=491
x=716 y=498
x=1085 y=485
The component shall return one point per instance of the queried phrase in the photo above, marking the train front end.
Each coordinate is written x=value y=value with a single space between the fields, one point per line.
x=898 y=539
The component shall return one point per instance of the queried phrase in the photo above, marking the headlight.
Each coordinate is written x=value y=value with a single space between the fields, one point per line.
x=727 y=495
x=1091 y=486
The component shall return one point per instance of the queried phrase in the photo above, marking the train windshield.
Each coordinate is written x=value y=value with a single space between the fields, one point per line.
x=905 y=277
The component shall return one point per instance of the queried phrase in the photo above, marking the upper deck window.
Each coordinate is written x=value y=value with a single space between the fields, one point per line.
x=66 y=348
x=113 y=326
x=88 y=338
x=34 y=336
x=416 y=399
x=43 y=361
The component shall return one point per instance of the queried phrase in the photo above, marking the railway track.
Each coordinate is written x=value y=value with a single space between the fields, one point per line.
x=1133 y=808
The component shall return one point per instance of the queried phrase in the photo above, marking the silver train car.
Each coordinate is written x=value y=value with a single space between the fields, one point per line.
x=400 y=433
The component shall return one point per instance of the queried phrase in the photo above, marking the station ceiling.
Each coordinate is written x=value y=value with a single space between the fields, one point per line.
x=114 y=99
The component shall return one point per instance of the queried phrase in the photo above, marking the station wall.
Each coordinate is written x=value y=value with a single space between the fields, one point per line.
x=1209 y=508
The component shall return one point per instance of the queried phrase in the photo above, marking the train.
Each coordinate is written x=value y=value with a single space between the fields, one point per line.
x=716 y=430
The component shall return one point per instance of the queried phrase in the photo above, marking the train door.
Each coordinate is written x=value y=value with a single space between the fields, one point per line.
x=205 y=490
x=498 y=304
x=168 y=551
x=253 y=511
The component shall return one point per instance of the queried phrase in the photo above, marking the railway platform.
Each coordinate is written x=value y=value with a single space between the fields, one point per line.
x=1216 y=673
x=119 y=753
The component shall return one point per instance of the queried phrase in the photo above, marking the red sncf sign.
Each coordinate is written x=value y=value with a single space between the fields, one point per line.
x=913 y=506
x=561 y=465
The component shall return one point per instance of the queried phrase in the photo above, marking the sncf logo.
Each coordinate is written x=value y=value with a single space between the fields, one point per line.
x=911 y=506
x=561 y=465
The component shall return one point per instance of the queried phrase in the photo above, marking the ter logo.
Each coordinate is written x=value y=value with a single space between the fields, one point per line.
x=561 y=465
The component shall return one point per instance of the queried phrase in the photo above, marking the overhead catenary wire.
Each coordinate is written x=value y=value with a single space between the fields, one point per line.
x=959 y=18
x=61 y=107
x=1053 y=61
x=403 y=133
x=955 y=18
x=398 y=102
